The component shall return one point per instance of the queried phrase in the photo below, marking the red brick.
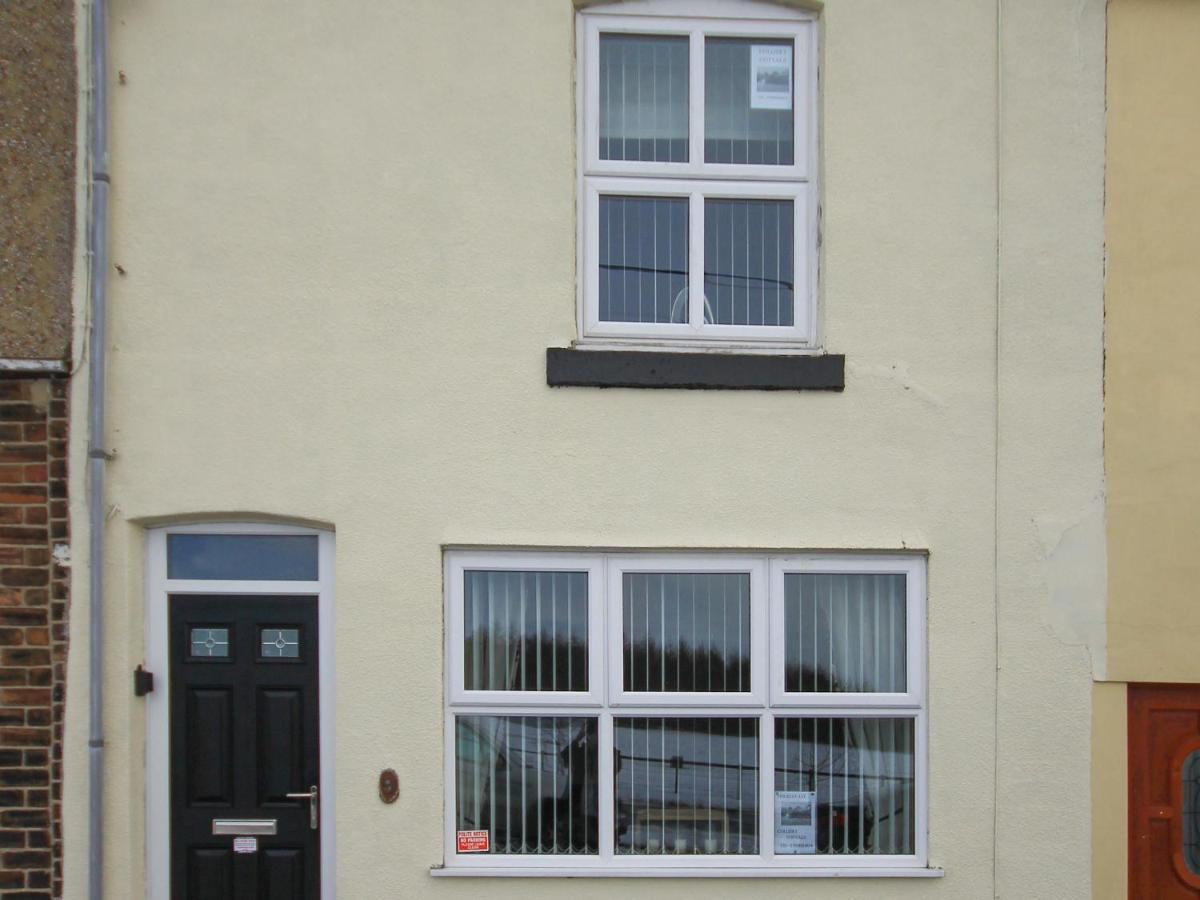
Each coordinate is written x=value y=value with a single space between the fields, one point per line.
x=24 y=697
x=26 y=859
x=36 y=515
x=24 y=656
x=58 y=509
x=25 y=818
x=27 y=494
x=12 y=475
x=34 y=432
x=36 y=474
x=12 y=717
x=36 y=597
x=22 y=453
x=12 y=637
x=37 y=556
x=20 y=616
x=14 y=778
x=13 y=676
x=11 y=556
x=10 y=515
x=14 y=389
x=10 y=839
x=37 y=637
x=40 y=677
x=13 y=879
x=25 y=737
x=22 y=577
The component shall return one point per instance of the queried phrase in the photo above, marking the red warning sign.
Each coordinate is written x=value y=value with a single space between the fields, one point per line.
x=473 y=842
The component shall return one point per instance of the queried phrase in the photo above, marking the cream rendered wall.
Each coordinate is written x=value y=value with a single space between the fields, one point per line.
x=348 y=232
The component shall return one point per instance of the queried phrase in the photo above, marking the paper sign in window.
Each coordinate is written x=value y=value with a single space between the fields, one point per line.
x=795 y=822
x=770 y=77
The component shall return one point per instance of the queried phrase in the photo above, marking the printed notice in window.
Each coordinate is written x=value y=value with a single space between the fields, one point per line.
x=795 y=822
x=770 y=76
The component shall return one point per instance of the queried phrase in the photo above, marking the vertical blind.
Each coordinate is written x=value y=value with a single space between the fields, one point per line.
x=844 y=633
x=643 y=259
x=863 y=772
x=686 y=785
x=734 y=131
x=525 y=631
x=686 y=632
x=748 y=262
x=530 y=781
x=644 y=97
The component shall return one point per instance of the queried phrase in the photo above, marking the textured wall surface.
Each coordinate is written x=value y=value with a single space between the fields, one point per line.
x=348 y=248
x=1152 y=429
x=33 y=632
x=37 y=177
x=1152 y=412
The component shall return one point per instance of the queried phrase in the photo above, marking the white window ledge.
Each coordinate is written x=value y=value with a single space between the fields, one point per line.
x=694 y=872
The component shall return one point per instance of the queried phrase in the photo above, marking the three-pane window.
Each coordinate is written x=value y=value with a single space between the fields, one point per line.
x=685 y=710
x=699 y=212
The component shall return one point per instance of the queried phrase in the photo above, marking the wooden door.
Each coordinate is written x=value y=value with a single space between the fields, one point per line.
x=245 y=752
x=1164 y=791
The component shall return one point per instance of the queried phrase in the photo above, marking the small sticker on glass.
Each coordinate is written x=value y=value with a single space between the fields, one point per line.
x=473 y=842
x=795 y=822
x=770 y=76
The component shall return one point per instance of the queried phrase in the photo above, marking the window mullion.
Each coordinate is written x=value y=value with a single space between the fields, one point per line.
x=606 y=786
x=696 y=260
x=766 y=781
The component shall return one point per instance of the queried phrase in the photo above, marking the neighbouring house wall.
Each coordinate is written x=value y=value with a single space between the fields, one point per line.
x=1152 y=411
x=37 y=177
x=39 y=120
x=347 y=249
x=34 y=542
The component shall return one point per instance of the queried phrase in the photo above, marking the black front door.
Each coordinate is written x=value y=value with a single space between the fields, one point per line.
x=244 y=736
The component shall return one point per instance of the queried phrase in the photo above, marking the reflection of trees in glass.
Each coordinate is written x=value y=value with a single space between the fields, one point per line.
x=683 y=667
x=512 y=661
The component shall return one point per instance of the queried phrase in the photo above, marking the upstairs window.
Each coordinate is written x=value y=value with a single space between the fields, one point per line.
x=698 y=144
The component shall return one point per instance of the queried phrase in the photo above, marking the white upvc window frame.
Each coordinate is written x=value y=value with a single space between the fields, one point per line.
x=606 y=699
x=697 y=179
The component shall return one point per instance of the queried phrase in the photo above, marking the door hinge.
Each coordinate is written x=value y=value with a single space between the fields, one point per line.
x=143 y=681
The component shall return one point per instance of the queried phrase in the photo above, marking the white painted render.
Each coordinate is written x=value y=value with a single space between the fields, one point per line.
x=348 y=237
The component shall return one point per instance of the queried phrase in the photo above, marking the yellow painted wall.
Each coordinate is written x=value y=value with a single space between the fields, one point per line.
x=348 y=237
x=1152 y=405
x=1152 y=336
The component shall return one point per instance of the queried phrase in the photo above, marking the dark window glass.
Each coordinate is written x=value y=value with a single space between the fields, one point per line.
x=749 y=249
x=644 y=97
x=242 y=557
x=643 y=259
x=1191 y=812
x=859 y=776
x=844 y=633
x=749 y=101
x=525 y=631
x=686 y=632
x=529 y=781
x=686 y=785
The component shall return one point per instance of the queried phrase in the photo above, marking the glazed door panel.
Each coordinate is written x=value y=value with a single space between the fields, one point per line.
x=1164 y=743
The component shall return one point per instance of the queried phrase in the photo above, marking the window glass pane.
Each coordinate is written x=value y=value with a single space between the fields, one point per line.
x=525 y=631
x=844 y=633
x=280 y=643
x=209 y=642
x=643 y=259
x=844 y=786
x=749 y=101
x=644 y=97
x=1191 y=812
x=686 y=786
x=686 y=632
x=529 y=782
x=242 y=557
x=748 y=262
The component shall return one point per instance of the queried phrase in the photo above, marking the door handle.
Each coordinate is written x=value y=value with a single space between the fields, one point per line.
x=314 y=808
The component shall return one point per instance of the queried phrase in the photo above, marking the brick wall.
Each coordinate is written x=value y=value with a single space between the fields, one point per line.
x=33 y=633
